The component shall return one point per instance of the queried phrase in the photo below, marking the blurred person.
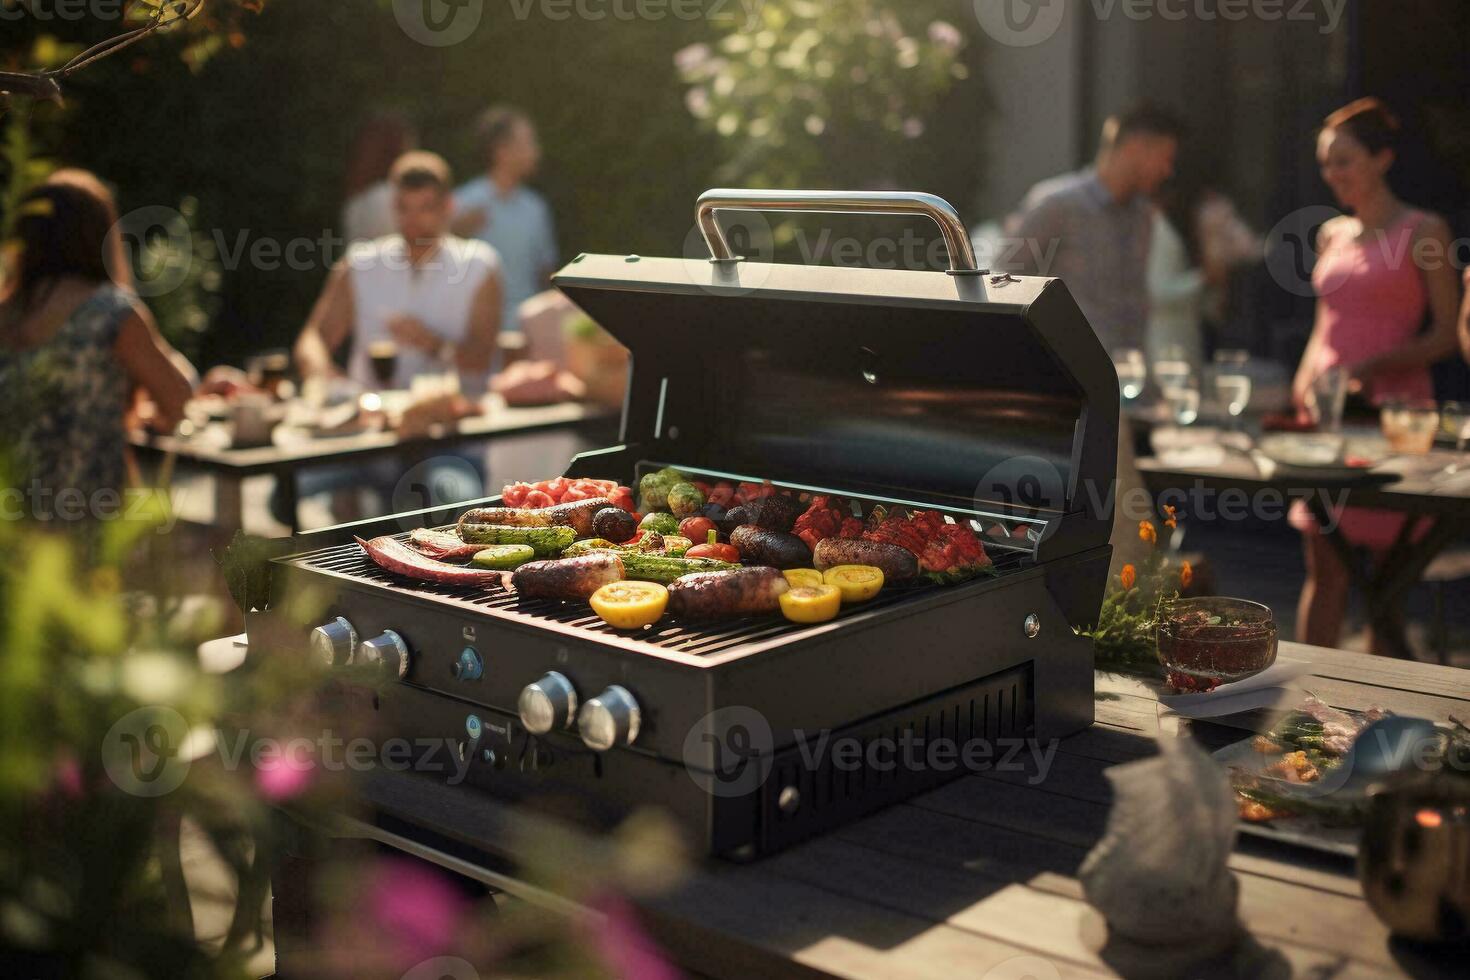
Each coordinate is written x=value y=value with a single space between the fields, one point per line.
x=436 y=297
x=1374 y=295
x=433 y=299
x=1465 y=320
x=1198 y=238
x=78 y=349
x=500 y=210
x=367 y=213
x=1093 y=228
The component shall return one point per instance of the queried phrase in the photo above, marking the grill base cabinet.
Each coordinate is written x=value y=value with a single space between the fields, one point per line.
x=987 y=398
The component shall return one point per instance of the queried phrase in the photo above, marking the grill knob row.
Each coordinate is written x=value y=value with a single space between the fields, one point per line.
x=332 y=644
x=388 y=652
x=605 y=722
x=548 y=704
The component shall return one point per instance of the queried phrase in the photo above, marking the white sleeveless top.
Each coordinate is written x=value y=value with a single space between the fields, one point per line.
x=439 y=292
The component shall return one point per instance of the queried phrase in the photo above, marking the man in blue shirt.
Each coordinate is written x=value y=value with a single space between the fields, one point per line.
x=499 y=209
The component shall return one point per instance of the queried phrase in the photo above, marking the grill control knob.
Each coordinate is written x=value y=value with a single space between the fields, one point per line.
x=548 y=704
x=388 y=652
x=609 y=720
x=332 y=643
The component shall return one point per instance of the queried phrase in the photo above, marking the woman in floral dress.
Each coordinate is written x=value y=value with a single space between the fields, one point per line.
x=77 y=347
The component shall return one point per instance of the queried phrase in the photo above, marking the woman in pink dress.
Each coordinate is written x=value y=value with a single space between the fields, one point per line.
x=1379 y=271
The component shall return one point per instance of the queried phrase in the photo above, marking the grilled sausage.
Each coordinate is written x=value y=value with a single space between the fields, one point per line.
x=728 y=594
x=577 y=515
x=775 y=548
x=568 y=578
x=898 y=563
x=777 y=512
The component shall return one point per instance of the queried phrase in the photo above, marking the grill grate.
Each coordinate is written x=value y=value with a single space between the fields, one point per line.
x=696 y=639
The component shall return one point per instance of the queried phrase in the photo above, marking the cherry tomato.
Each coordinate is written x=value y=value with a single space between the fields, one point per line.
x=719 y=552
x=696 y=529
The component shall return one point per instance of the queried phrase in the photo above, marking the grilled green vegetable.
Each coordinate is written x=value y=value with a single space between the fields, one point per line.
x=663 y=569
x=590 y=544
x=547 y=541
x=503 y=556
x=685 y=499
x=578 y=514
x=657 y=523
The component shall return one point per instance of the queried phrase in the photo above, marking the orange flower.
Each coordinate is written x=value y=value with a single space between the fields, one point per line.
x=1186 y=575
x=1128 y=576
x=1172 y=515
x=1147 y=533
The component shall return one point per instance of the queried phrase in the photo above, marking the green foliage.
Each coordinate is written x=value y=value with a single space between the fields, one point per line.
x=1125 y=637
x=822 y=92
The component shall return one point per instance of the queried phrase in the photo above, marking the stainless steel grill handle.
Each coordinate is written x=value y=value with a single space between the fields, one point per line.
x=941 y=212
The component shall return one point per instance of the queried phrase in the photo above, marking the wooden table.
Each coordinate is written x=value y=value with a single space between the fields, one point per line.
x=230 y=466
x=1406 y=484
x=978 y=878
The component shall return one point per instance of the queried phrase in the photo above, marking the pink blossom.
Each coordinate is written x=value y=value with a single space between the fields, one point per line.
x=624 y=947
x=946 y=35
x=414 y=911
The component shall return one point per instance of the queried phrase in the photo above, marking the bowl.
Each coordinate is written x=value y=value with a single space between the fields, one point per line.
x=1209 y=641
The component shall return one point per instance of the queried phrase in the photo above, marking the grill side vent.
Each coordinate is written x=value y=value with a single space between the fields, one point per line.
x=886 y=759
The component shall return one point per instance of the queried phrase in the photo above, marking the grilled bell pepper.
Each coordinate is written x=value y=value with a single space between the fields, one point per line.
x=807 y=578
x=811 y=603
x=712 y=549
x=630 y=605
x=857 y=583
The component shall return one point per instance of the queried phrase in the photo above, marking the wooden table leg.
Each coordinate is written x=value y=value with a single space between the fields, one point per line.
x=290 y=500
x=229 y=503
x=1384 y=588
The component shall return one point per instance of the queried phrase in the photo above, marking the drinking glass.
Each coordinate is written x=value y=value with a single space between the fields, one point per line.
x=1173 y=369
x=384 y=357
x=1454 y=418
x=1327 y=399
x=1183 y=401
x=1132 y=372
x=1233 y=392
x=1409 y=426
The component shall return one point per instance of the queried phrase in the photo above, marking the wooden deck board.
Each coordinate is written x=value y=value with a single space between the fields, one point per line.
x=947 y=883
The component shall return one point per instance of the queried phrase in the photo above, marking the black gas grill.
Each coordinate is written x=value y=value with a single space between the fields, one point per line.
x=986 y=397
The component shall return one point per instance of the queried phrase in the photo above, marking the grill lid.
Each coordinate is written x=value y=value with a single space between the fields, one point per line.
x=963 y=391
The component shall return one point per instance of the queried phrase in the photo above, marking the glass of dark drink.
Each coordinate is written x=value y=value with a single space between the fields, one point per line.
x=1210 y=641
x=275 y=368
x=384 y=357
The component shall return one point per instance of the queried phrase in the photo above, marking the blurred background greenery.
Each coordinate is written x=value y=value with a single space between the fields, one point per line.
x=244 y=121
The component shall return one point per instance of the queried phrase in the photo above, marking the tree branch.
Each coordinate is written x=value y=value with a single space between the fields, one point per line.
x=45 y=85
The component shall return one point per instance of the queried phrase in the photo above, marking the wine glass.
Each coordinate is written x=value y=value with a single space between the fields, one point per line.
x=1132 y=372
x=1173 y=369
x=1183 y=401
x=1234 y=392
